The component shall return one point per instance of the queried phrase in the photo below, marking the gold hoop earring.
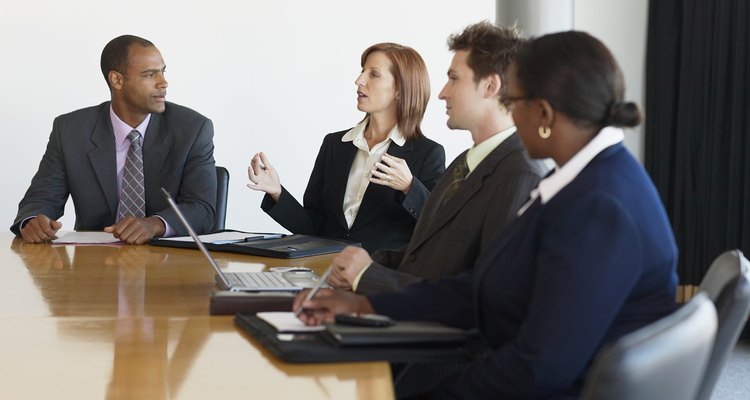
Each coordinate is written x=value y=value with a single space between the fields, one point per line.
x=545 y=132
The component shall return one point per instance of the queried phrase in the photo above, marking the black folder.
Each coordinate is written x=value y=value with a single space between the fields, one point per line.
x=318 y=347
x=287 y=246
x=400 y=333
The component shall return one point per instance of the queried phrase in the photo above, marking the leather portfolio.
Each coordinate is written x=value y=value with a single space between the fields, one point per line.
x=265 y=245
x=320 y=347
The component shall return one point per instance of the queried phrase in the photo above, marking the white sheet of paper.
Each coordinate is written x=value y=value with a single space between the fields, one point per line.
x=86 y=238
x=214 y=237
x=287 y=322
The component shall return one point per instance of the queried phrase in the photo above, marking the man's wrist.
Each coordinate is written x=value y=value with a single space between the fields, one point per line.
x=355 y=282
x=158 y=225
x=25 y=221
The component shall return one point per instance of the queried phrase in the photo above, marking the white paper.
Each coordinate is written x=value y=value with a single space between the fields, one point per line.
x=214 y=237
x=86 y=238
x=287 y=322
x=226 y=237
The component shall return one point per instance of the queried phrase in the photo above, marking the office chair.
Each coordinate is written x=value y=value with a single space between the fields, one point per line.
x=727 y=284
x=664 y=360
x=222 y=193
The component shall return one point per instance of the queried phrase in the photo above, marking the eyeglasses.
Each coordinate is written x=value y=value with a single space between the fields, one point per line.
x=510 y=101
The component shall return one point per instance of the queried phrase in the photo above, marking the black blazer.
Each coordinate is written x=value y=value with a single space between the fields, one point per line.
x=386 y=217
x=80 y=162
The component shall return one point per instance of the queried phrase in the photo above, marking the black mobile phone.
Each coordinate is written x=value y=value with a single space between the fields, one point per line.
x=373 y=320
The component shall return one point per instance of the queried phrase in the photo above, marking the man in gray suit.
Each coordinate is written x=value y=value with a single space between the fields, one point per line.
x=88 y=150
x=464 y=212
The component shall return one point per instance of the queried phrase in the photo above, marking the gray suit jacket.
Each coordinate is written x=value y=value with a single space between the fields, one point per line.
x=80 y=162
x=448 y=239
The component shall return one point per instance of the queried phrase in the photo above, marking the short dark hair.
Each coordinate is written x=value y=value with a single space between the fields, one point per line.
x=491 y=50
x=579 y=77
x=115 y=53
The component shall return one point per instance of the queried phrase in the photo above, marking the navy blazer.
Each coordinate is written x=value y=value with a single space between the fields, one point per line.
x=386 y=217
x=80 y=162
x=594 y=263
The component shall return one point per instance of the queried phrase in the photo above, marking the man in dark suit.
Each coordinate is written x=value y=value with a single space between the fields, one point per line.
x=464 y=212
x=91 y=157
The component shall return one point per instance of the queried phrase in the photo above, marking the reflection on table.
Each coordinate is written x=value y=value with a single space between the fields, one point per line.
x=131 y=322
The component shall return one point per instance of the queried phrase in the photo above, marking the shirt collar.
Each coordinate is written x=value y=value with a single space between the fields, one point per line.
x=357 y=135
x=122 y=130
x=551 y=185
x=479 y=152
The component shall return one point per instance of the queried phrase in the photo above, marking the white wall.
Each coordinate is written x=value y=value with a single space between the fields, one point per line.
x=273 y=76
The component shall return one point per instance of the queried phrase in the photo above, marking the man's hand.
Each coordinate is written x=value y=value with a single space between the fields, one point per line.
x=137 y=230
x=40 y=229
x=347 y=265
x=327 y=303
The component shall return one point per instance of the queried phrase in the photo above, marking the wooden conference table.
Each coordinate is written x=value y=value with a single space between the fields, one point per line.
x=132 y=322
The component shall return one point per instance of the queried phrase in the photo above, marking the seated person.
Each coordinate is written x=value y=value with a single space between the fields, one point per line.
x=387 y=148
x=590 y=258
x=462 y=215
x=114 y=158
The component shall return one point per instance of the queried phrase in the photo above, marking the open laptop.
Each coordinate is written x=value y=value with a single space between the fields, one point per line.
x=288 y=281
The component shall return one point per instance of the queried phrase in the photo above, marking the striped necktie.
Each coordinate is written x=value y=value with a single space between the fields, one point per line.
x=458 y=176
x=133 y=194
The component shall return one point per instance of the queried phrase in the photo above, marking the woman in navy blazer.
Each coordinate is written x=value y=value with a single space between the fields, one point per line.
x=387 y=148
x=590 y=258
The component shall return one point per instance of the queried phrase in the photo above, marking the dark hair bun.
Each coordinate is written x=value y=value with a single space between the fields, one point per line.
x=623 y=114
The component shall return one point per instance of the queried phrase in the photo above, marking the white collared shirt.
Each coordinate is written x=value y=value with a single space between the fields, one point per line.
x=364 y=162
x=551 y=185
x=478 y=153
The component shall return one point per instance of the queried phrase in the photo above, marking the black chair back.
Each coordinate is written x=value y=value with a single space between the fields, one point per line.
x=664 y=360
x=222 y=193
x=727 y=284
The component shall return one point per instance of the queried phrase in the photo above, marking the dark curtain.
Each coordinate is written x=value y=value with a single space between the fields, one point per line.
x=697 y=133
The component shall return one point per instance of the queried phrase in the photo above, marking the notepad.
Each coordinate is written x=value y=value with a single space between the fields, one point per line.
x=86 y=238
x=286 y=322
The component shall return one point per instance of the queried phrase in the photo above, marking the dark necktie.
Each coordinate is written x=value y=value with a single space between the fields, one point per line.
x=458 y=176
x=132 y=195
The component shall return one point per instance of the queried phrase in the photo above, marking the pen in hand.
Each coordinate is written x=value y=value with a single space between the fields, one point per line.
x=314 y=290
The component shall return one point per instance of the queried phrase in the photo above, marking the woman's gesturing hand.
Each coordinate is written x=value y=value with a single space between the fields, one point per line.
x=263 y=176
x=392 y=172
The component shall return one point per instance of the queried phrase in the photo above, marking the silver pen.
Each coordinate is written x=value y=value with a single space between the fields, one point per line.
x=315 y=289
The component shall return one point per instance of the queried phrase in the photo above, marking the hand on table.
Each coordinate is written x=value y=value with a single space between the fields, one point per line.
x=327 y=303
x=347 y=265
x=40 y=229
x=134 y=230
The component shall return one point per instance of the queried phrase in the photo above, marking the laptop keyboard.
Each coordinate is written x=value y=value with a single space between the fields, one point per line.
x=260 y=280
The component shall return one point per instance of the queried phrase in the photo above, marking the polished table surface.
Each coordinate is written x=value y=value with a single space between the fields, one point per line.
x=132 y=322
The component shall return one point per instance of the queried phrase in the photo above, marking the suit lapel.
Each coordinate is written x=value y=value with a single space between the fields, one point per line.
x=468 y=189
x=155 y=151
x=103 y=159
x=343 y=155
x=369 y=203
